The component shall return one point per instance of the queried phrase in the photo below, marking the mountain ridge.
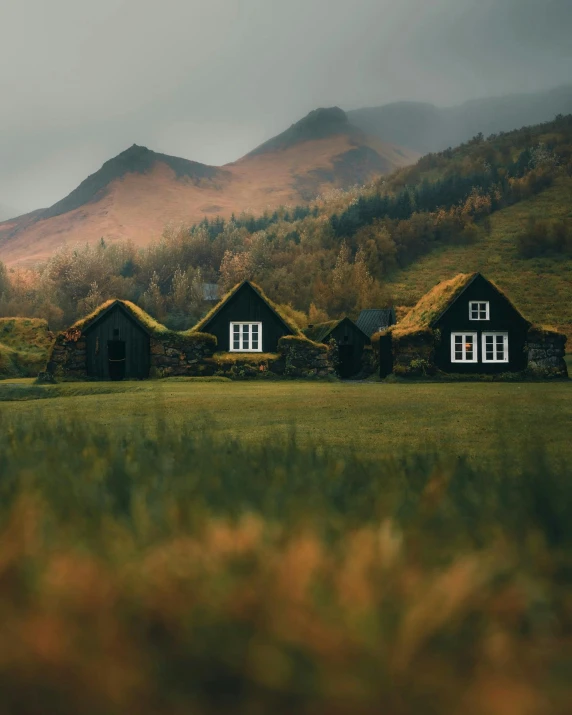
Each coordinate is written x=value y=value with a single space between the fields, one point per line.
x=427 y=128
x=136 y=193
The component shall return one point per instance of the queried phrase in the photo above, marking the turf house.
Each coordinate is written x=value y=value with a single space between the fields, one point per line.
x=467 y=325
x=351 y=342
x=246 y=321
x=121 y=341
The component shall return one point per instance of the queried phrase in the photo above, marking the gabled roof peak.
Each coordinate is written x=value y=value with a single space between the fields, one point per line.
x=201 y=325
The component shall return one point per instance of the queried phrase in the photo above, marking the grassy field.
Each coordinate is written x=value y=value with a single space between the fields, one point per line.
x=152 y=563
x=540 y=287
x=373 y=419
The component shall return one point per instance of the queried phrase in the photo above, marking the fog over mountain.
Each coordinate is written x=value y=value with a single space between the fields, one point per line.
x=80 y=83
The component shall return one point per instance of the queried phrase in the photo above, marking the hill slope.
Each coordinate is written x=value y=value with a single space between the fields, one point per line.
x=426 y=128
x=540 y=287
x=135 y=194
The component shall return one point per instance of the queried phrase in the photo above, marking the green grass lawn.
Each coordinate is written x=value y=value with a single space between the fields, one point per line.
x=373 y=418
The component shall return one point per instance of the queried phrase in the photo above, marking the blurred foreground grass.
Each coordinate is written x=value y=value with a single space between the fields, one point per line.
x=168 y=570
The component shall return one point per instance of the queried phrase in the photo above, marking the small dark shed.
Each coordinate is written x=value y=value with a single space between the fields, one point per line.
x=246 y=321
x=351 y=341
x=117 y=344
x=374 y=320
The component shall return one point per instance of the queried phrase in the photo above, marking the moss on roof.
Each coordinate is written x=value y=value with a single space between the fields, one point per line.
x=237 y=358
x=276 y=308
x=300 y=340
x=152 y=325
x=432 y=305
x=319 y=331
x=544 y=331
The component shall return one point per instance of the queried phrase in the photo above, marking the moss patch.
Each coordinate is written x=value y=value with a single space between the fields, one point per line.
x=24 y=346
x=433 y=303
x=235 y=358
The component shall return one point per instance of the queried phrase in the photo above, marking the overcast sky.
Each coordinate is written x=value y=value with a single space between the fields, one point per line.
x=210 y=79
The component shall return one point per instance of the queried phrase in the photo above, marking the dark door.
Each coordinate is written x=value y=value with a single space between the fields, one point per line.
x=116 y=357
x=346 y=360
x=385 y=356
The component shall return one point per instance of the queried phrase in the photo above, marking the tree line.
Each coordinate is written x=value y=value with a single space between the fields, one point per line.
x=320 y=261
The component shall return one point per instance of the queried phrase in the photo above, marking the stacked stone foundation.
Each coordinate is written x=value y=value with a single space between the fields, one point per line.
x=546 y=350
x=193 y=355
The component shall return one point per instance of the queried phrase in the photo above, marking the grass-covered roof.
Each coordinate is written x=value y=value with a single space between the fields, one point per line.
x=149 y=323
x=319 y=331
x=257 y=289
x=433 y=304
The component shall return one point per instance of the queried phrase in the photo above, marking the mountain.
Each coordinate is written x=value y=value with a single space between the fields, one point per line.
x=425 y=128
x=135 y=194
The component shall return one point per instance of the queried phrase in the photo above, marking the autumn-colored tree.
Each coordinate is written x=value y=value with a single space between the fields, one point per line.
x=153 y=300
x=234 y=268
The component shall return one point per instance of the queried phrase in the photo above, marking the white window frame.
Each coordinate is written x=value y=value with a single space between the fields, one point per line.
x=478 y=303
x=484 y=349
x=475 y=347
x=249 y=349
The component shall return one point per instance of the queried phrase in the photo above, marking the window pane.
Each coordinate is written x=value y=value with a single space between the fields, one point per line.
x=458 y=339
x=255 y=330
x=254 y=343
x=236 y=329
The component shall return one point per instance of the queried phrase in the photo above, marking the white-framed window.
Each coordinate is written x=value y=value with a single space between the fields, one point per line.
x=464 y=347
x=495 y=347
x=246 y=337
x=479 y=310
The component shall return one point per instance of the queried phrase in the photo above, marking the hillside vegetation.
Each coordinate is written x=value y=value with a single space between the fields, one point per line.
x=24 y=346
x=499 y=204
x=541 y=287
x=134 y=195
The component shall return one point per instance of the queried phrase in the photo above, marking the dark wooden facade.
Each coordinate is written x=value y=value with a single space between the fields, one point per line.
x=117 y=346
x=351 y=343
x=246 y=305
x=385 y=355
x=350 y=339
x=503 y=318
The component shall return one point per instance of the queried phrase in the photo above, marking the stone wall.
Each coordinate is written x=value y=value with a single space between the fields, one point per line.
x=68 y=356
x=193 y=355
x=182 y=355
x=305 y=358
x=414 y=353
x=546 y=350
x=171 y=354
